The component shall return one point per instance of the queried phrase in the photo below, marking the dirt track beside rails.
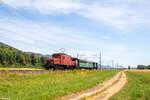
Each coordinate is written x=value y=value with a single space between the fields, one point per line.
x=103 y=91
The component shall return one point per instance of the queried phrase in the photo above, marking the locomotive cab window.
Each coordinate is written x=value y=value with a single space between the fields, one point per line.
x=63 y=57
x=56 y=56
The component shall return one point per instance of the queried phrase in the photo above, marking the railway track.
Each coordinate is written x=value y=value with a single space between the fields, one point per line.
x=23 y=71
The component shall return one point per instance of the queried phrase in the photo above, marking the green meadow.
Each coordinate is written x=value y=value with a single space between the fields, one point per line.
x=50 y=85
x=137 y=88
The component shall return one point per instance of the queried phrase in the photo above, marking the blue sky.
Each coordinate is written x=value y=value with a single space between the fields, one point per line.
x=119 y=28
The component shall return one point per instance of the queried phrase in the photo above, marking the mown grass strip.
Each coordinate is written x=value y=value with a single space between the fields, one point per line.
x=50 y=86
x=137 y=88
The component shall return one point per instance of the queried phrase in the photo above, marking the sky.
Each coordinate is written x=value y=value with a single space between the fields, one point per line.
x=120 y=29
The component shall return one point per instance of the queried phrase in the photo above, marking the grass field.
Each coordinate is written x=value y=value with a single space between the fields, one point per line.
x=49 y=86
x=137 y=88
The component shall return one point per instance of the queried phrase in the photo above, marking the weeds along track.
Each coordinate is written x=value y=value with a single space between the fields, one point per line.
x=102 y=91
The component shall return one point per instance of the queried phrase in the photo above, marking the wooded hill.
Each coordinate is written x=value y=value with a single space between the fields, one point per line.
x=12 y=57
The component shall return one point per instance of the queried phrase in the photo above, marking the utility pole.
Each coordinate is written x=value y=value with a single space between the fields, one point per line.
x=112 y=63
x=100 y=60
x=77 y=55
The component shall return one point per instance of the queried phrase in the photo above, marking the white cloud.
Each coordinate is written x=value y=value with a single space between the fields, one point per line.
x=59 y=6
x=49 y=33
x=123 y=14
x=106 y=37
x=45 y=6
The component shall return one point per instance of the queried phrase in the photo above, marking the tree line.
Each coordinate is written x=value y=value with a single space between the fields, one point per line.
x=12 y=57
x=143 y=67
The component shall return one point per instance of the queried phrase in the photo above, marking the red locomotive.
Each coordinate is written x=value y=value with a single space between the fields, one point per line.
x=60 y=60
x=64 y=61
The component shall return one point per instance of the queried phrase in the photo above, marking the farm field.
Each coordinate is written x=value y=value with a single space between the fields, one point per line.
x=50 y=86
x=137 y=88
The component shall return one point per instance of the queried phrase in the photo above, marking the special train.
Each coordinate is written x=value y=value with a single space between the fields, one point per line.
x=64 y=61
